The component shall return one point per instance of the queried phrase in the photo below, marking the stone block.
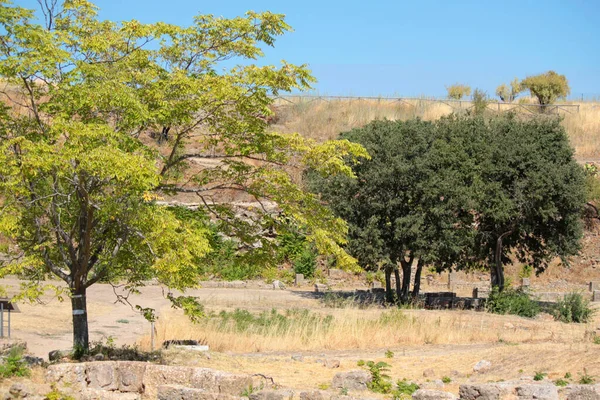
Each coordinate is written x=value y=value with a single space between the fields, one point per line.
x=525 y=282
x=67 y=375
x=376 y=285
x=594 y=285
x=481 y=293
x=580 y=392
x=179 y=392
x=351 y=380
x=158 y=375
x=537 y=391
x=102 y=375
x=320 y=287
x=130 y=376
x=486 y=391
x=99 y=394
x=596 y=296
x=299 y=280
x=426 y=394
x=314 y=395
x=281 y=394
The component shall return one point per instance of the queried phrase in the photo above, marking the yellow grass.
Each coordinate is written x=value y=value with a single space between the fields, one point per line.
x=325 y=119
x=369 y=329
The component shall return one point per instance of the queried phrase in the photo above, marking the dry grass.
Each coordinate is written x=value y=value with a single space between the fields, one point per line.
x=325 y=119
x=326 y=329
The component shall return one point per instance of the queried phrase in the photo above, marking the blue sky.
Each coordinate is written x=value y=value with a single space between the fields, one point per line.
x=412 y=47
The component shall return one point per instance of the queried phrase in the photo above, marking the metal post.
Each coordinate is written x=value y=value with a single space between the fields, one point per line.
x=9 y=322
x=1 y=319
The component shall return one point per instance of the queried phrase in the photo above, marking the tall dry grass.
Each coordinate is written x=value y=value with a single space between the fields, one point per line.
x=326 y=119
x=364 y=329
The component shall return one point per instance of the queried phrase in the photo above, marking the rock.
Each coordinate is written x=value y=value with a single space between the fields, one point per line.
x=219 y=382
x=335 y=273
x=314 y=395
x=428 y=373
x=457 y=374
x=332 y=363
x=236 y=284
x=482 y=366
x=297 y=357
x=278 y=285
x=351 y=380
x=99 y=357
x=537 y=391
x=299 y=280
x=131 y=376
x=508 y=325
x=281 y=394
x=158 y=375
x=33 y=360
x=320 y=287
x=580 y=392
x=436 y=384
x=102 y=375
x=56 y=355
x=485 y=391
x=99 y=394
x=426 y=394
x=18 y=390
x=67 y=375
x=179 y=392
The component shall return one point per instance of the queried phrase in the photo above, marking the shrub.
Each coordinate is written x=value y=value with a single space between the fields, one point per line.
x=573 y=307
x=539 y=376
x=586 y=379
x=446 y=379
x=509 y=94
x=511 y=301
x=306 y=262
x=380 y=381
x=389 y=354
x=404 y=388
x=458 y=91
x=480 y=102
x=561 y=382
x=14 y=365
x=547 y=87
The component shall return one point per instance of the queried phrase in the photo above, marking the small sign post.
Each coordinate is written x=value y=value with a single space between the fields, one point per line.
x=6 y=305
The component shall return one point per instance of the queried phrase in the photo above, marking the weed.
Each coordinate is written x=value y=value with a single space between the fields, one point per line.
x=380 y=381
x=389 y=354
x=404 y=389
x=122 y=321
x=561 y=382
x=324 y=385
x=14 y=365
x=568 y=375
x=360 y=363
x=344 y=391
x=55 y=394
x=573 y=307
x=446 y=379
x=596 y=339
x=511 y=301
x=539 y=376
x=586 y=379
x=273 y=322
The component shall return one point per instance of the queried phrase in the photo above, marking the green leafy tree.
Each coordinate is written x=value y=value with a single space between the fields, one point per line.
x=458 y=91
x=547 y=87
x=409 y=202
x=508 y=93
x=81 y=170
x=533 y=193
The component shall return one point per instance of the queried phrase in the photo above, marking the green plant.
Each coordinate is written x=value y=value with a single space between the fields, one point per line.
x=380 y=381
x=360 y=363
x=561 y=382
x=573 y=307
x=14 y=365
x=480 y=102
x=324 y=385
x=526 y=271
x=586 y=379
x=389 y=354
x=446 y=379
x=539 y=376
x=344 y=391
x=512 y=301
x=306 y=262
x=55 y=394
x=509 y=94
x=404 y=388
x=568 y=375
x=122 y=321
x=596 y=339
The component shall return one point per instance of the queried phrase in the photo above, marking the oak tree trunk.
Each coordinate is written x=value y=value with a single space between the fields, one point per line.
x=80 y=322
x=389 y=297
x=417 y=281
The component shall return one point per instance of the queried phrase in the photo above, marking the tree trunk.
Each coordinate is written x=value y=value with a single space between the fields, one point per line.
x=497 y=271
x=417 y=284
x=398 y=286
x=406 y=275
x=80 y=322
x=389 y=297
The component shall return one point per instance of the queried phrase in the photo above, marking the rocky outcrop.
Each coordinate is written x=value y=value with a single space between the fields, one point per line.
x=351 y=380
x=518 y=390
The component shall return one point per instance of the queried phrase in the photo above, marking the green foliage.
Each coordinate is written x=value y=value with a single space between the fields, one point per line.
x=389 y=354
x=508 y=93
x=568 y=375
x=561 y=382
x=512 y=301
x=344 y=391
x=446 y=379
x=586 y=379
x=306 y=262
x=526 y=271
x=360 y=363
x=596 y=339
x=480 y=102
x=404 y=388
x=539 y=376
x=573 y=307
x=109 y=128
x=56 y=394
x=14 y=364
x=380 y=380
x=458 y=91
x=547 y=87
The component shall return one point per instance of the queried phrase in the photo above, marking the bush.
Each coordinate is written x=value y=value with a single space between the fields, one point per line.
x=458 y=91
x=511 y=301
x=480 y=102
x=404 y=389
x=381 y=381
x=547 y=87
x=306 y=262
x=14 y=365
x=573 y=308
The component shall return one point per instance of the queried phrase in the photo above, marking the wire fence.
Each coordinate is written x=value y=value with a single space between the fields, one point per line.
x=455 y=105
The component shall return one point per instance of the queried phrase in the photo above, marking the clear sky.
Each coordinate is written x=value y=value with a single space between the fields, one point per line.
x=412 y=47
